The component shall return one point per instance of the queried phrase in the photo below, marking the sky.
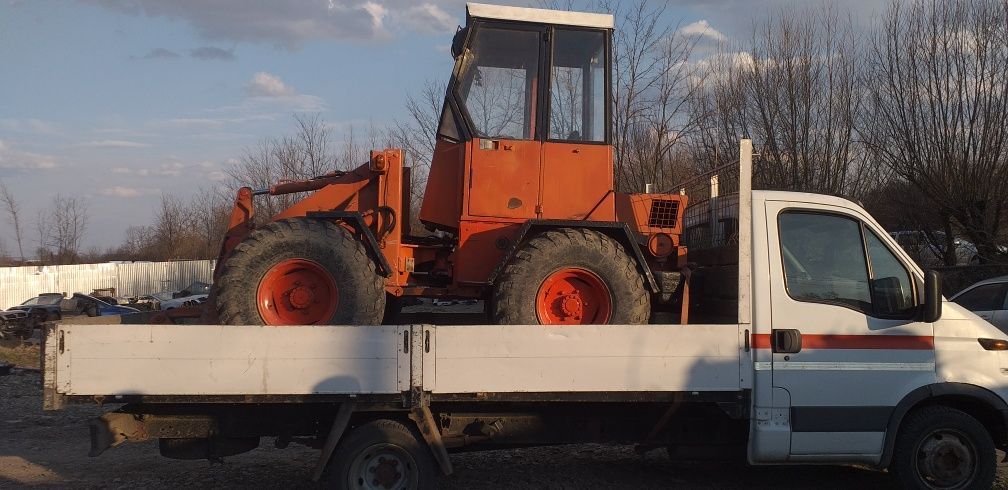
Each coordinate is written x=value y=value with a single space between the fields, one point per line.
x=120 y=101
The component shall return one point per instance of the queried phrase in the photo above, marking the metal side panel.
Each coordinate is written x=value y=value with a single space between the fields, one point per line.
x=227 y=360
x=583 y=358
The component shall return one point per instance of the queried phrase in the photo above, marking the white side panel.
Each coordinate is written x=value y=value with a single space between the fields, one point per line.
x=227 y=360
x=533 y=358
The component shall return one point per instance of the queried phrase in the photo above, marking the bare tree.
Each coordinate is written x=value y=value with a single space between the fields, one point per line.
x=308 y=153
x=44 y=228
x=209 y=211
x=13 y=209
x=70 y=224
x=939 y=111
x=417 y=136
x=61 y=230
x=796 y=90
x=651 y=91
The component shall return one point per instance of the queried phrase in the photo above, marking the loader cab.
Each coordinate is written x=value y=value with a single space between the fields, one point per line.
x=524 y=131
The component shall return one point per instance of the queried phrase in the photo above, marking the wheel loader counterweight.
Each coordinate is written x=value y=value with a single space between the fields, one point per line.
x=520 y=192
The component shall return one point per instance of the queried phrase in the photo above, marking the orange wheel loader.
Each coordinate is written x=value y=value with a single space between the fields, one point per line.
x=520 y=198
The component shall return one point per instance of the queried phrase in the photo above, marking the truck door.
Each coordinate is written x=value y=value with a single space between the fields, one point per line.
x=844 y=337
x=500 y=88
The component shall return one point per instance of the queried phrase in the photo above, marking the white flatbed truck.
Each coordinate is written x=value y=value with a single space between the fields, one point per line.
x=838 y=350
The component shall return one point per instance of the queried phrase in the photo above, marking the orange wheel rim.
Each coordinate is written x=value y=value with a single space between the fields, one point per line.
x=297 y=292
x=573 y=296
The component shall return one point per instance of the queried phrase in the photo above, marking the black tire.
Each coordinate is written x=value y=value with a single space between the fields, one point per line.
x=393 y=307
x=92 y=310
x=965 y=448
x=360 y=289
x=515 y=292
x=385 y=443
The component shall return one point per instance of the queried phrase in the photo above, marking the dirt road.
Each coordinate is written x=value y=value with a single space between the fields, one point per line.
x=50 y=449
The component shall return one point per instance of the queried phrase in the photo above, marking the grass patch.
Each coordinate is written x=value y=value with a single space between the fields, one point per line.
x=20 y=355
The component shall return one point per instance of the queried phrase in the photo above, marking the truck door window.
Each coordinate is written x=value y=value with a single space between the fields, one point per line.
x=824 y=259
x=498 y=82
x=892 y=291
x=577 y=87
x=835 y=259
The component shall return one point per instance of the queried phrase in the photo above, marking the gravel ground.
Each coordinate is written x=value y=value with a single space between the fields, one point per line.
x=50 y=449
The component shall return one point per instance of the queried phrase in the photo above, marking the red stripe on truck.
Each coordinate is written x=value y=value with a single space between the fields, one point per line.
x=813 y=341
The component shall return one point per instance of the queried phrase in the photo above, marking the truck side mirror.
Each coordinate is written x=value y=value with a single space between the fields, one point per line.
x=931 y=310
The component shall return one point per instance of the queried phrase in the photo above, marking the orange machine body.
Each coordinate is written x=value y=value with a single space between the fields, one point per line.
x=485 y=193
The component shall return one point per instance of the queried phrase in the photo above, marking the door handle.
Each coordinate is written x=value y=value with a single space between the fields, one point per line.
x=786 y=341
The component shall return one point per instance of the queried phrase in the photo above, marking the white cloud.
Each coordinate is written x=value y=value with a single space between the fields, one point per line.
x=702 y=28
x=377 y=12
x=429 y=18
x=268 y=94
x=265 y=84
x=26 y=126
x=115 y=144
x=124 y=192
x=288 y=23
x=14 y=159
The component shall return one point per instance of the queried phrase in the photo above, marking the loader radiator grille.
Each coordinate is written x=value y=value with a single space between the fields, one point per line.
x=663 y=213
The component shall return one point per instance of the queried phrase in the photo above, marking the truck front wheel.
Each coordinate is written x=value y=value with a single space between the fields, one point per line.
x=571 y=276
x=382 y=454
x=940 y=447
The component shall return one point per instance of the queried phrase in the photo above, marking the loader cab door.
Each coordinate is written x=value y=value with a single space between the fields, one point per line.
x=577 y=160
x=500 y=88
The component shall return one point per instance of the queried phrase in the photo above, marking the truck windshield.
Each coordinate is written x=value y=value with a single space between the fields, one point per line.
x=498 y=82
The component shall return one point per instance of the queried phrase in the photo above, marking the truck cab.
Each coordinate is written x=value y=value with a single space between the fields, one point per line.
x=843 y=346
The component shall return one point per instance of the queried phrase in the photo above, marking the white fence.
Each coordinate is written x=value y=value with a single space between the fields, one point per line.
x=18 y=284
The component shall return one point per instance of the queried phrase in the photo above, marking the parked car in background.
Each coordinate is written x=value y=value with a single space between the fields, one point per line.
x=14 y=324
x=91 y=306
x=927 y=248
x=42 y=308
x=166 y=300
x=192 y=295
x=988 y=300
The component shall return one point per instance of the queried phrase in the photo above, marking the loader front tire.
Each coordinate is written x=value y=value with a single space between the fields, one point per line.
x=300 y=272
x=571 y=276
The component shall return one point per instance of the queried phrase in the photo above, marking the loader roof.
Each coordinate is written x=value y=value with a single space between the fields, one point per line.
x=542 y=16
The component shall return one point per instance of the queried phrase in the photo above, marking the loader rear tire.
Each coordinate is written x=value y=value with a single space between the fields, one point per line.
x=300 y=272
x=571 y=276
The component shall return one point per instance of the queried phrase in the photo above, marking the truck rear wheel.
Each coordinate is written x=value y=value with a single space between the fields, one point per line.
x=383 y=454
x=300 y=272
x=571 y=276
x=940 y=447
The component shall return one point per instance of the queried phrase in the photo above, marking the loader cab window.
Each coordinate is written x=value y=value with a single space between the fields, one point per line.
x=577 y=86
x=834 y=259
x=498 y=82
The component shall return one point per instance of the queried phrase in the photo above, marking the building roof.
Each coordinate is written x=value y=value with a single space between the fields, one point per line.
x=544 y=16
